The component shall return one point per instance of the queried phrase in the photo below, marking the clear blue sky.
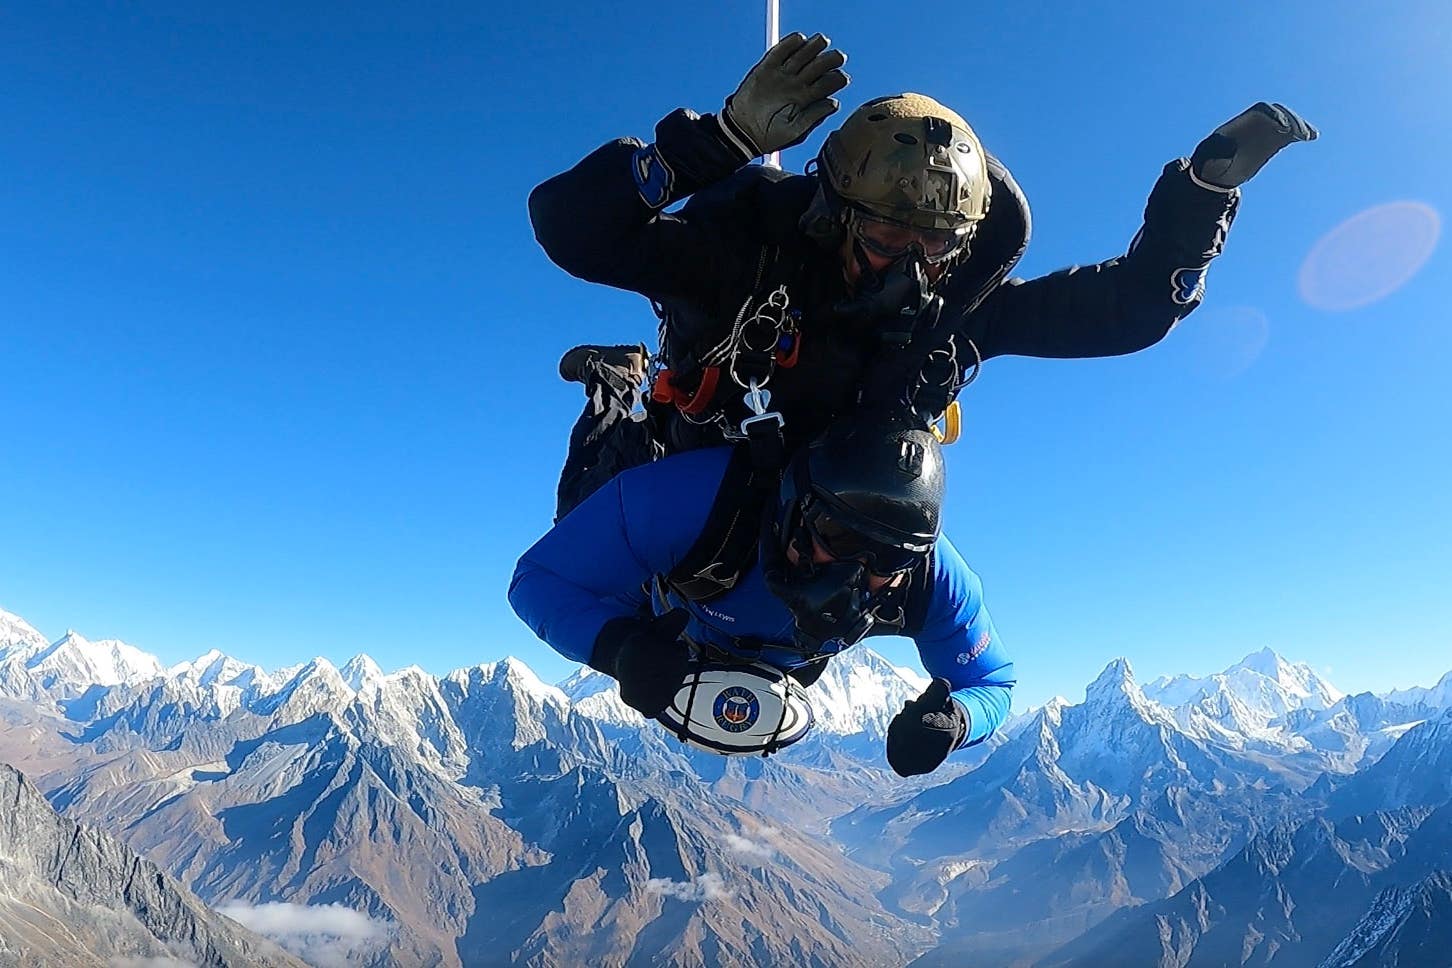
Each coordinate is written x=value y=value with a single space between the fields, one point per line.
x=279 y=348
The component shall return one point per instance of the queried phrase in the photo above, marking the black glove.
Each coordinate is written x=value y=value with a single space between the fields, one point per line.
x=786 y=95
x=930 y=727
x=1241 y=146
x=647 y=658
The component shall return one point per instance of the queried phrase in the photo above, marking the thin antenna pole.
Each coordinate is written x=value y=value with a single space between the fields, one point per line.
x=773 y=34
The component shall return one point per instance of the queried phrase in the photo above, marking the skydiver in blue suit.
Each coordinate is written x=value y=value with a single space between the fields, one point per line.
x=636 y=582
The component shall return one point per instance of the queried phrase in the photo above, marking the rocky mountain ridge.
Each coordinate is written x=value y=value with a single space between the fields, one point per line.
x=72 y=895
x=489 y=812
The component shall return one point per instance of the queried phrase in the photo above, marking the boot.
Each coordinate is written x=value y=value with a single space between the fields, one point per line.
x=629 y=360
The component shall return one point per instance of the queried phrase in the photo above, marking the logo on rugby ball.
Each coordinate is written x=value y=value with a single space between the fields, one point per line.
x=736 y=709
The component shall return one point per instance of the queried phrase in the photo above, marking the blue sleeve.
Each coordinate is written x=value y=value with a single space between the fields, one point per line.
x=959 y=643
x=592 y=566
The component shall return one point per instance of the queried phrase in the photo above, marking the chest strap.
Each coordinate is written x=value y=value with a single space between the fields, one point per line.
x=727 y=545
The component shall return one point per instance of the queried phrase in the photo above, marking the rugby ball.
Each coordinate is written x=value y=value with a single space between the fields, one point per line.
x=736 y=709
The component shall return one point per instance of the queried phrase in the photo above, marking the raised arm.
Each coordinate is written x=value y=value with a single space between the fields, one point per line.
x=604 y=219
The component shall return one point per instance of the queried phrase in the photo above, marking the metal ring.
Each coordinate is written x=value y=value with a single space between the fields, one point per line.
x=774 y=325
x=950 y=355
x=731 y=372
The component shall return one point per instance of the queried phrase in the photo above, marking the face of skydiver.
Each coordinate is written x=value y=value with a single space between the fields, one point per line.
x=821 y=556
x=830 y=598
x=858 y=510
x=891 y=268
x=880 y=260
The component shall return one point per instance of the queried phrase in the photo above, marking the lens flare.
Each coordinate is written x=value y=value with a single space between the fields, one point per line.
x=1226 y=341
x=1369 y=256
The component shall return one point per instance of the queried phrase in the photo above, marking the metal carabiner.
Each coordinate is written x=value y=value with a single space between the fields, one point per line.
x=757 y=399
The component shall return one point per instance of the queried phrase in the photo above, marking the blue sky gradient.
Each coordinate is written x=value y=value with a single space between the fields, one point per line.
x=279 y=348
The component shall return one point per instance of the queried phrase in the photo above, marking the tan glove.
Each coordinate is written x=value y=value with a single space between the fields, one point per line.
x=786 y=95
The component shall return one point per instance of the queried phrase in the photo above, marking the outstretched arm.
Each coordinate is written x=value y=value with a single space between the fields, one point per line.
x=1125 y=304
x=1131 y=302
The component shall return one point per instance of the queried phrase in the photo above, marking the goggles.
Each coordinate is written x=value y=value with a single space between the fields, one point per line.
x=892 y=240
x=844 y=543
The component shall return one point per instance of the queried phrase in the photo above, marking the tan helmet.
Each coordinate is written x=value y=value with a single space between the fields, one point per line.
x=910 y=159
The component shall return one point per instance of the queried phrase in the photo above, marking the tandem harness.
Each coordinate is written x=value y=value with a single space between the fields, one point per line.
x=730 y=544
x=764 y=335
x=923 y=363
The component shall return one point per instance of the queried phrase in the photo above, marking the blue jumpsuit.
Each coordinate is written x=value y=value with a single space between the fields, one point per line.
x=594 y=564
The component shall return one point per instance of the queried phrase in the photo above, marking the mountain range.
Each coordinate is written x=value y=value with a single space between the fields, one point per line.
x=487 y=817
x=71 y=895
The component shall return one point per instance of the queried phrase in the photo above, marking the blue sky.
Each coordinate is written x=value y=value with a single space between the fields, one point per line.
x=278 y=345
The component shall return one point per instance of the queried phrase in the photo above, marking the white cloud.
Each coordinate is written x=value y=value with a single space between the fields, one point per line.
x=324 y=935
x=707 y=887
x=749 y=847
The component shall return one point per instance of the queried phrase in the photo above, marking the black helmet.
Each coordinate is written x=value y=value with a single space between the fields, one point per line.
x=870 y=489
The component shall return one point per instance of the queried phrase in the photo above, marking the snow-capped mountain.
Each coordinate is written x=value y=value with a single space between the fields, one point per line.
x=1262 y=688
x=859 y=694
x=488 y=814
x=595 y=695
x=32 y=668
x=1416 y=771
x=213 y=668
x=1437 y=697
x=1089 y=808
x=436 y=804
x=1358 y=729
x=18 y=637
x=1328 y=890
x=360 y=672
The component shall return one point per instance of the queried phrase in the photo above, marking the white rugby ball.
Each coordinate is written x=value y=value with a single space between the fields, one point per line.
x=736 y=709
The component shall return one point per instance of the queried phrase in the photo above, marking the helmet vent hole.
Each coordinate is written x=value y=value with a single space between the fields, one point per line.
x=877 y=117
x=906 y=139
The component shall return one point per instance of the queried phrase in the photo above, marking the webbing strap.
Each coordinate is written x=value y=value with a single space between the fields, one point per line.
x=727 y=544
x=774 y=742
x=767 y=446
x=684 y=729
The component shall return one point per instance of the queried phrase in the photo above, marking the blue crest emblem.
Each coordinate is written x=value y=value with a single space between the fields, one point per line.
x=736 y=709
x=1187 y=285
x=653 y=177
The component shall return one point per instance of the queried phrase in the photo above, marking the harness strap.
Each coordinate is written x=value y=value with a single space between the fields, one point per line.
x=774 y=742
x=767 y=447
x=682 y=732
x=727 y=543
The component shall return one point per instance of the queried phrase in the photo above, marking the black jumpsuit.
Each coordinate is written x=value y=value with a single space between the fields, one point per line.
x=593 y=221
